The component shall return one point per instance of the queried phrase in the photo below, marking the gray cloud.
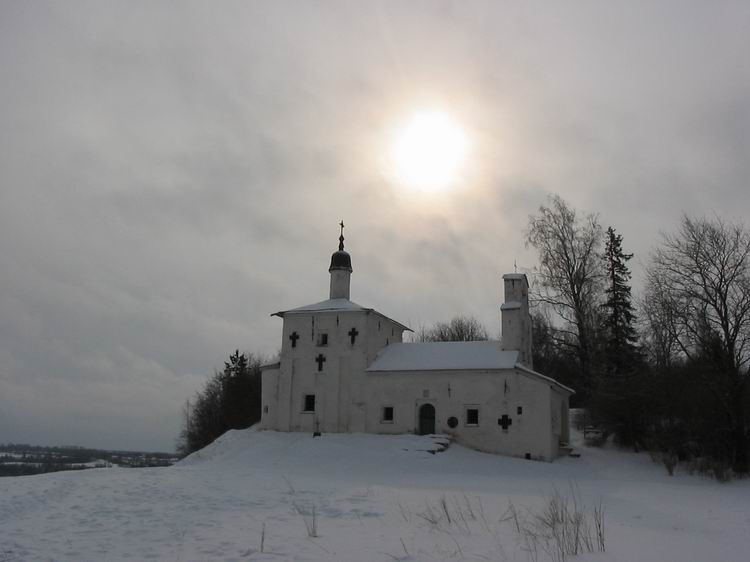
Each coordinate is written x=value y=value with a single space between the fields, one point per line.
x=172 y=174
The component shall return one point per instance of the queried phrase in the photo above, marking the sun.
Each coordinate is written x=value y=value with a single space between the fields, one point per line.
x=429 y=151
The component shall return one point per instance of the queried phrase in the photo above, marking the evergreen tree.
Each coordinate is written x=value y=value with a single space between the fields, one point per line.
x=230 y=399
x=618 y=313
x=241 y=391
x=621 y=396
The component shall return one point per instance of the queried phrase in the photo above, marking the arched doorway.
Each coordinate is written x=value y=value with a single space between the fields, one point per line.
x=426 y=419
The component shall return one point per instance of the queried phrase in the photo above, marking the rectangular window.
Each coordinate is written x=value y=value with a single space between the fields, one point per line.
x=519 y=410
x=387 y=415
x=322 y=340
x=472 y=416
x=309 y=405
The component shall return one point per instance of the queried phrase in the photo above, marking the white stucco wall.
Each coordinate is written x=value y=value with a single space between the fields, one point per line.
x=340 y=284
x=559 y=414
x=340 y=387
x=494 y=393
x=269 y=398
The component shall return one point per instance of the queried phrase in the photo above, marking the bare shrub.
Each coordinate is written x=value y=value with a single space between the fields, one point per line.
x=289 y=484
x=667 y=458
x=451 y=513
x=563 y=528
x=511 y=514
x=309 y=517
x=403 y=558
x=598 y=515
x=405 y=513
x=711 y=468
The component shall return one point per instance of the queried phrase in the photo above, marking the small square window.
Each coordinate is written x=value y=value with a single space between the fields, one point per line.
x=519 y=410
x=322 y=340
x=472 y=416
x=309 y=403
x=387 y=414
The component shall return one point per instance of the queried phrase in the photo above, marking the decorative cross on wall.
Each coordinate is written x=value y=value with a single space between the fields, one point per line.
x=353 y=333
x=320 y=359
x=293 y=338
x=505 y=422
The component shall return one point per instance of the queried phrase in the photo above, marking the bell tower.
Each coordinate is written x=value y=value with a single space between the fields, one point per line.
x=340 y=270
x=516 y=319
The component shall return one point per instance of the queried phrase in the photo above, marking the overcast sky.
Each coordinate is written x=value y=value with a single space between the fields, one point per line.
x=173 y=173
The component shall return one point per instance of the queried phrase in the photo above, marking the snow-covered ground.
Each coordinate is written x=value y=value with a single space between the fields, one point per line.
x=374 y=498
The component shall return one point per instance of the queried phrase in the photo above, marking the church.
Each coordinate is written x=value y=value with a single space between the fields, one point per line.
x=344 y=367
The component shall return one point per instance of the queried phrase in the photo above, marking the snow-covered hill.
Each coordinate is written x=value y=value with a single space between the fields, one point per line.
x=373 y=497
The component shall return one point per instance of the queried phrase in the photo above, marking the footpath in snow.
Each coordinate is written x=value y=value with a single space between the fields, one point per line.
x=362 y=498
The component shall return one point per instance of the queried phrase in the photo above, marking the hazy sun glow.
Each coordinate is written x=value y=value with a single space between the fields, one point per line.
x=428 y=153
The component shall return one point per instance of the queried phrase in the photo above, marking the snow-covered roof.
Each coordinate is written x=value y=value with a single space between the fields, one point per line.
x=330 y=304
x=335 y=305
x=514 y=276
x=512 y=305
x=441 y=356
x=449 y=356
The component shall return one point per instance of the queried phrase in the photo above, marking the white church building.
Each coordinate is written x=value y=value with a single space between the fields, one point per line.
x=345 y=368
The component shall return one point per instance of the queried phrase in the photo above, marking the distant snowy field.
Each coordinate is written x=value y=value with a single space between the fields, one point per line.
x=375 y=498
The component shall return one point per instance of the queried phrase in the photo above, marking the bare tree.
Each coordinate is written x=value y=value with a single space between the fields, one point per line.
x=660 y=345
x=460 y=328
x=569 y=276
x=700 y=289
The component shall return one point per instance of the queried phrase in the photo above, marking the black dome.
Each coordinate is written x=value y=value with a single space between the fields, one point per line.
x=341 y=260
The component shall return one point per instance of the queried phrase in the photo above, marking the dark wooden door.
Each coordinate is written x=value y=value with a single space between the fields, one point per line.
x=426 y=419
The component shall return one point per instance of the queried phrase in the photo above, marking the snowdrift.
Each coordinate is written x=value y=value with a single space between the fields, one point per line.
x=263 y=495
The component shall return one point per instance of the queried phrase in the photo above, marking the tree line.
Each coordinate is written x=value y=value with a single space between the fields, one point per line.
x=667 y=371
